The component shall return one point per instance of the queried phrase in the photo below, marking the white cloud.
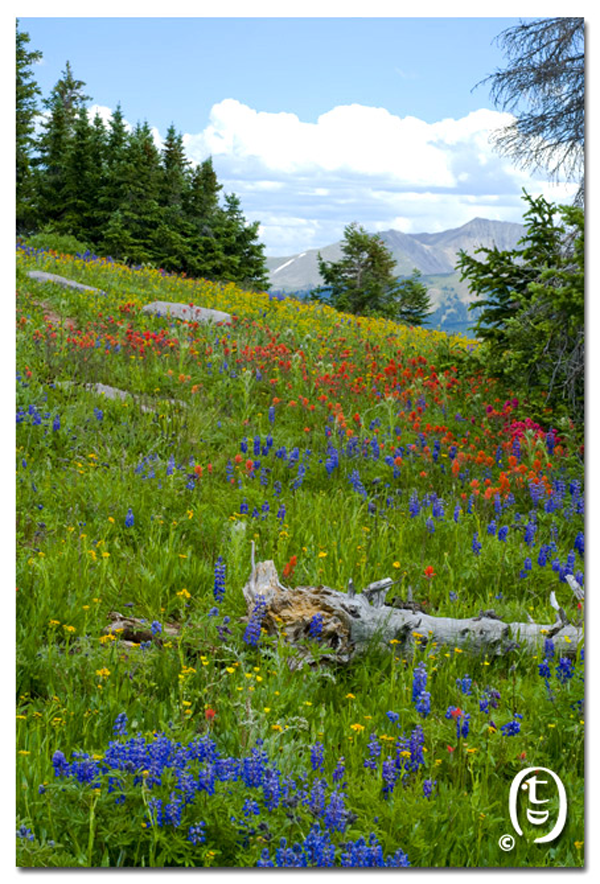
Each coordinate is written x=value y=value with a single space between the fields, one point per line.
x=306 y=181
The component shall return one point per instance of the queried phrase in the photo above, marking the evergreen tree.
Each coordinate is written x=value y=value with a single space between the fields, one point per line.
x=79 y=193
x=243 y=252
x=114 y=187
x=139 y=213
x=532 y=321
x=414 y=303
x=65 y=101
x=175 y=166
x=364 y=281
x=69 y=92
x=27 y=91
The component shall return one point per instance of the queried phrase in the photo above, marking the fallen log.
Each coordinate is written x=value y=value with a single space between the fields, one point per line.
x=350 y=622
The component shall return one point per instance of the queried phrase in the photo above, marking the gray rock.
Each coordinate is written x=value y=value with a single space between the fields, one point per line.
x=41 y=276
x=184 y=311
x=115 y=393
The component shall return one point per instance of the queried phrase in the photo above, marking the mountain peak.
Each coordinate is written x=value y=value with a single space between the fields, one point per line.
x=430 y=253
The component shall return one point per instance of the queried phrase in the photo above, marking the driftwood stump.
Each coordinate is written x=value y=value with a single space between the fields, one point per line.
x=350 y=621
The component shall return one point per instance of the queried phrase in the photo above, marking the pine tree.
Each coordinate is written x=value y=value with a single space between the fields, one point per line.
x=63 y=105
x=175 y=167
x=364 y=281
x=27 y=91
x=79 y=198
x=244 y=253
x=414 y=303
x=113 y=191
x=139 y=213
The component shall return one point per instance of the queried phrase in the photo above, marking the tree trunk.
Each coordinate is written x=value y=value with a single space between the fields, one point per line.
x=351 y=622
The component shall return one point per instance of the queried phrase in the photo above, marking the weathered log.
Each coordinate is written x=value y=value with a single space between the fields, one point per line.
x=351 y=621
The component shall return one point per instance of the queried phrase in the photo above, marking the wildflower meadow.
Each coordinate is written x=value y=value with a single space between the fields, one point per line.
x=341 y=448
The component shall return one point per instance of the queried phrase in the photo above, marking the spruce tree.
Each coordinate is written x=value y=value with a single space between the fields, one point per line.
x=364 y=280
x=139 y=210
x=27 y=91
x=414 y=303
x=63 y=105
x=243 y=252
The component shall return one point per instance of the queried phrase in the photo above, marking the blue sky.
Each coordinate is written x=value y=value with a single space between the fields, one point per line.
x=313 y=122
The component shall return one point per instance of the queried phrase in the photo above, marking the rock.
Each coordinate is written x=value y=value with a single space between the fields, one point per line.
x=185 y=311
x=41 y=276
x=115 y=393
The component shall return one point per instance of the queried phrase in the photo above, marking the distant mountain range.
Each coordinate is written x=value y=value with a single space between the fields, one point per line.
x=434 y=254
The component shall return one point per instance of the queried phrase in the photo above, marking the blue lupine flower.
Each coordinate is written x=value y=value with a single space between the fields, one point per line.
x=243 y=507
x=429 y=524
x=464 y=684
x=339 y=771
x=549 y=648
x=544 y=669
x=374 y=752
x=271 y=414
x=423 y=703
x=413 y=505
x=252 y=632
x=120 y=725
x=25 y=833
x=579 y=544
x=475 y=545
x=316 y=626
x=530 y=534
x=156 y=627
x=428 y=786
x=419 y=681
x=457 y=512
x=129 y=518
x=393 y=717
x=56 y=423
x=491 y=528
x=219 y=583
x=316 y=756
x=196 y=835
x=502 y=533
x=357 y=484
x=512 y=728
x=564 y=669
x=389 y=774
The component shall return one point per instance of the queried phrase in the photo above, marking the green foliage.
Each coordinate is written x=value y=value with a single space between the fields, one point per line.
x=414 y=303
x=63 y=243
x=27 y=92
x=364 y=281
x=532 y=316
x=117 y=191
x=83 y=460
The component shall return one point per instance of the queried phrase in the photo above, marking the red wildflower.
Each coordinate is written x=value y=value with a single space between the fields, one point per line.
x=429 y=572
x=210 y=714
x=290 y=567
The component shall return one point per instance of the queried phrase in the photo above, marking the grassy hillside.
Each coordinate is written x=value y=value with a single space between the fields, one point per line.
x=344 y=448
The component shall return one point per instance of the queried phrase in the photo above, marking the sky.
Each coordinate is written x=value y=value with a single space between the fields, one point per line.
x=313 y=122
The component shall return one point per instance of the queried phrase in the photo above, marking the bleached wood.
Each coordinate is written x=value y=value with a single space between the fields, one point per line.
x=351 y=622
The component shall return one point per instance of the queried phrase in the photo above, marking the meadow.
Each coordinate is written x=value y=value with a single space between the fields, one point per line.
x=344 y=448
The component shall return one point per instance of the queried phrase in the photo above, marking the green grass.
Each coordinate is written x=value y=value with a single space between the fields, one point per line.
x=78 y=561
